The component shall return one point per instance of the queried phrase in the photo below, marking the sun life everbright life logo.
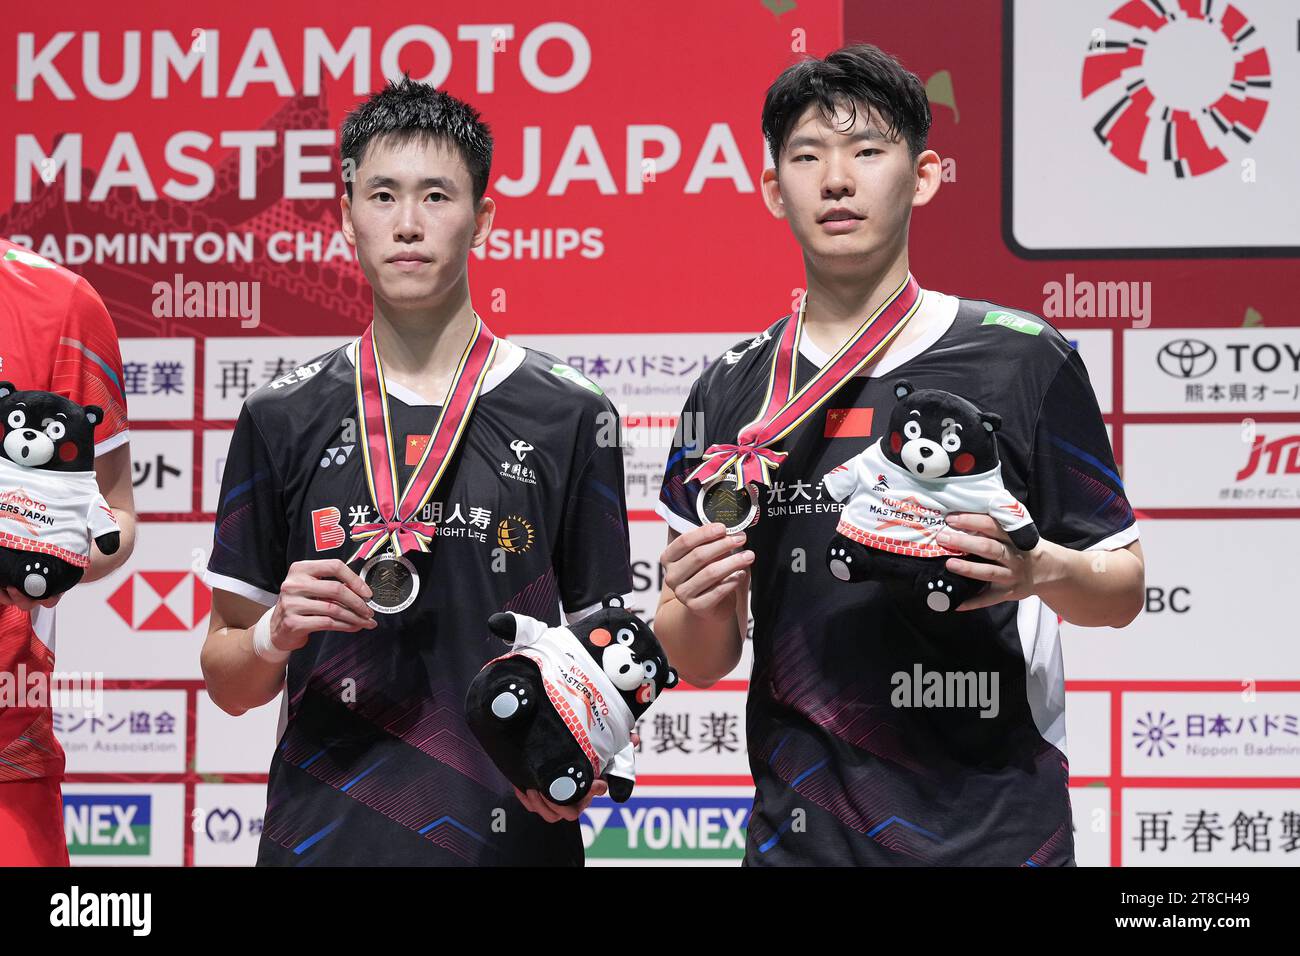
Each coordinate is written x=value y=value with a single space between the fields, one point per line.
x=1177 y=83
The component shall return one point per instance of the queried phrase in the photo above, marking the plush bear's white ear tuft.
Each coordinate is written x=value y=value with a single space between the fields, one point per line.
x=903 y=388
x=94 y=414
x=7 y=389
x=990 y=421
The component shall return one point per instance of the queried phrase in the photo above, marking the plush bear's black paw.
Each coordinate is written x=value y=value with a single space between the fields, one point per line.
x=620 y=788
x=567 y=783
x=939 y=594
x=35 y=584
x=512 y=699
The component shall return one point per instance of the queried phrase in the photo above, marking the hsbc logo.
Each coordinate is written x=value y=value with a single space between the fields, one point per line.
x=162 y=601
x=1175 y=600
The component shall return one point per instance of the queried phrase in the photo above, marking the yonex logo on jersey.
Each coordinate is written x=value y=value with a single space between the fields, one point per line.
x=300 y=374
x=520 y=448
x=326 y=531
x=731 y=358
x=336 y=456
x=1015 y=323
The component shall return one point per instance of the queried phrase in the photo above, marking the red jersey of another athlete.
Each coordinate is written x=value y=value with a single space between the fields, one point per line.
x=55 y=336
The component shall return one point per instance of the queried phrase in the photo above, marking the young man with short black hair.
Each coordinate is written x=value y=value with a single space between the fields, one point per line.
x=476 y=481
x=843 y=774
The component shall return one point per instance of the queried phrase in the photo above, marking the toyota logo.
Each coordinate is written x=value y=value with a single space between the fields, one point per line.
x=1186 y=358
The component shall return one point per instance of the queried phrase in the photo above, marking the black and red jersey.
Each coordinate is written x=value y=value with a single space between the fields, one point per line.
x=375 y=764
x=844 y=775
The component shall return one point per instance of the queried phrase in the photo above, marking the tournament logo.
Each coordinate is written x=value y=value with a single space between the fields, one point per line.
x=1176 y=82
x=514 y=534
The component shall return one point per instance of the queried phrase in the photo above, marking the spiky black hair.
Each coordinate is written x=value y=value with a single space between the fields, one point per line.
x=850 y=78
x=405 y=110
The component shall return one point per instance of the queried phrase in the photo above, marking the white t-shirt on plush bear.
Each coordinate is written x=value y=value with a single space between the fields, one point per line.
x=598 y=716
x=50 y=512
x=894 y=510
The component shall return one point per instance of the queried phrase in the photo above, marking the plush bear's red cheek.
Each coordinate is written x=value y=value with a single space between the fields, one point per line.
x=600 y=637
x=896 y=442
x=964 y=463
x=68 y=451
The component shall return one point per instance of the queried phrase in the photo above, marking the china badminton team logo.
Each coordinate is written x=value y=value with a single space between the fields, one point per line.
x=1178 y=85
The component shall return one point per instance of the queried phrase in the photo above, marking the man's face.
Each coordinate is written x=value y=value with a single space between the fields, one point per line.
x=846 y=191
x=413 y=219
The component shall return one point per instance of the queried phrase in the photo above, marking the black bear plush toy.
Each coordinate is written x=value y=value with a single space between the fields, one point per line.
x=557 y=712
x=50 y=505
x=940 y=455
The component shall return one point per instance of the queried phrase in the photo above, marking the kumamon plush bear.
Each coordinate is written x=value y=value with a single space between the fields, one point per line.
x=938 y=456
x=556 y=713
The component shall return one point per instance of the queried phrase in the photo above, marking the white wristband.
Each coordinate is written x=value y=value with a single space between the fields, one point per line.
x=262 y=645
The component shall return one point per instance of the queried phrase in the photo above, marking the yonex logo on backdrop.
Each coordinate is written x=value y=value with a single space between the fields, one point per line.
x=107 y=824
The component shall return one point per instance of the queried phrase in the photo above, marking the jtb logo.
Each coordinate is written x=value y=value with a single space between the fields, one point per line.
x=1290 y=446
x=107 y=824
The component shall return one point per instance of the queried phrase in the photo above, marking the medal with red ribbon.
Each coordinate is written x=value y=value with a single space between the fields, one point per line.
x=731 y=472
x=389 y=575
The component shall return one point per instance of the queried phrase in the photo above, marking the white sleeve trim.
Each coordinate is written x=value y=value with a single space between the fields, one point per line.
x=675 y=521
x=630 y=602
x=111 y=442
x=1117 y=540
x=236 y=586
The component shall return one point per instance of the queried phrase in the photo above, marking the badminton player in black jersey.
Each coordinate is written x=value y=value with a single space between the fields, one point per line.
x=843 y=774
x=382 y=501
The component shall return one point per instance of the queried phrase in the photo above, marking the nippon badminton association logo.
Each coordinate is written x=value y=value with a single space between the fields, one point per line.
x=1180 y=86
